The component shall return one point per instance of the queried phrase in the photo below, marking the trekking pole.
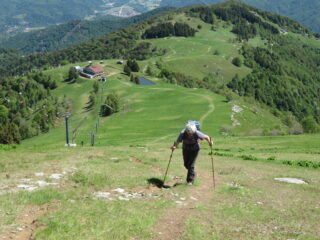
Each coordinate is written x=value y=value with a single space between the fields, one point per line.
x=165 y=175
x=214 y=182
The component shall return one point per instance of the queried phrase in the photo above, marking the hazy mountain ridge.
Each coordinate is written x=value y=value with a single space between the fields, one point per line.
x=26 y=15
x=74 y=32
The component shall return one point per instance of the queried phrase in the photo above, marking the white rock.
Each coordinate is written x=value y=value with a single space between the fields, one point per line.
x=236 y=108
x=44 y=183
x=123 y=198
x=27 y=187
x=56 y=176
x=118 y=190
x=102 y=194
x=25 y=180
x=39 y=174
x=291 y=180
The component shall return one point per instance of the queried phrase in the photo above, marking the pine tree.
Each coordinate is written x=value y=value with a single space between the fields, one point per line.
x=73 y=75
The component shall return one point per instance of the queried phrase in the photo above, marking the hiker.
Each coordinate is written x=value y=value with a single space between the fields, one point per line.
x=191 y=138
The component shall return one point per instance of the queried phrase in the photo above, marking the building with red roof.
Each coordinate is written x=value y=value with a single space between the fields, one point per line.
x=94 y=70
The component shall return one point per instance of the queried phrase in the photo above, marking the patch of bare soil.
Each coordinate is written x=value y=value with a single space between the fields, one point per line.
x=28 y=223
x=154 y=168
x=172 y=223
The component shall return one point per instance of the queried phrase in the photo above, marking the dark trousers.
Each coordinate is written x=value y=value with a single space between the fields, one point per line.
x=189 y=158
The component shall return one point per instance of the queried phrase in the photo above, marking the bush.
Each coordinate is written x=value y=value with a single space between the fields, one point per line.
x=310 y=125
x=287 y=162
x=111 y=105
x=216 y=52
x=73 y=75
x=237 y=61
x=223 y=154
x=134 y=79
x=296 y=129
x=127 y=70
x=249 y=157
x=302 y=163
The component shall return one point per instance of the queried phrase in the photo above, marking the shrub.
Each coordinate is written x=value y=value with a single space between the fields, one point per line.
x=73 y=75
x=310 y=125
x=272 y=158
x=249 y=157
x=303 y=163
x=287 y=162
x=237 y=61
x=296 y=129
x=111 y=105
x=216 y=52
x=223 y=154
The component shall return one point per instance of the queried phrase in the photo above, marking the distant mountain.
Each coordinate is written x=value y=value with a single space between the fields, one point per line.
x=24 y=15
x=73 y=32
x=306 y=12
x=18 y=16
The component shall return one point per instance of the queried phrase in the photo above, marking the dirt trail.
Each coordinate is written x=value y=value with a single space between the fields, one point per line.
x=210 y=110
x=171 y=225
x=28 y=223
x=210 y=107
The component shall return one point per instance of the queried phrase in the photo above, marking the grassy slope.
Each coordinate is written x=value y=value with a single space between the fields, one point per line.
x=195 y=56
x=133 y=147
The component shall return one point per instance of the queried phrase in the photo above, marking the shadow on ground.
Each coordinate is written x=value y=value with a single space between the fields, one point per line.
x=155 y=182
x=160 y=184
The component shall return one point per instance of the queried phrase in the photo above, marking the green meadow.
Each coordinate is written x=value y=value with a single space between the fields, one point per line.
x=111 y=190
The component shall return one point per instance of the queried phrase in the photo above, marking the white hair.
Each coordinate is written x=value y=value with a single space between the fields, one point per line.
x=191 y=128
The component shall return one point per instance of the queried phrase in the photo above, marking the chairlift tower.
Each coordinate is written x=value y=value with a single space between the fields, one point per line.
x=66 y=117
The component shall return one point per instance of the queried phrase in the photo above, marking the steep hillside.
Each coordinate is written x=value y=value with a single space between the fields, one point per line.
x=17 y=16
x=306 y=12
x=60 y=36
x=231 y=49
x=114 y=187
x=149 y=110
x=121 y=180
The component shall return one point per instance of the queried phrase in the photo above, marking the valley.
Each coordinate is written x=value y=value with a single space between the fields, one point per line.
x=111 y=188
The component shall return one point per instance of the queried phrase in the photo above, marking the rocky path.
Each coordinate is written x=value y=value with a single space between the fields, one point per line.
x=171 y=224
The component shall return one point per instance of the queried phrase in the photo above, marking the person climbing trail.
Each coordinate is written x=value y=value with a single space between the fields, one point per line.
x=190 y=137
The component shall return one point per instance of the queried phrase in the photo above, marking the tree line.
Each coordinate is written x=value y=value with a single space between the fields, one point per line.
x=169 y=29
x=27 y=108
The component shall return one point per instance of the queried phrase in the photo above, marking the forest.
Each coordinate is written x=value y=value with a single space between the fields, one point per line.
x=168 y=29
x=27 y=108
